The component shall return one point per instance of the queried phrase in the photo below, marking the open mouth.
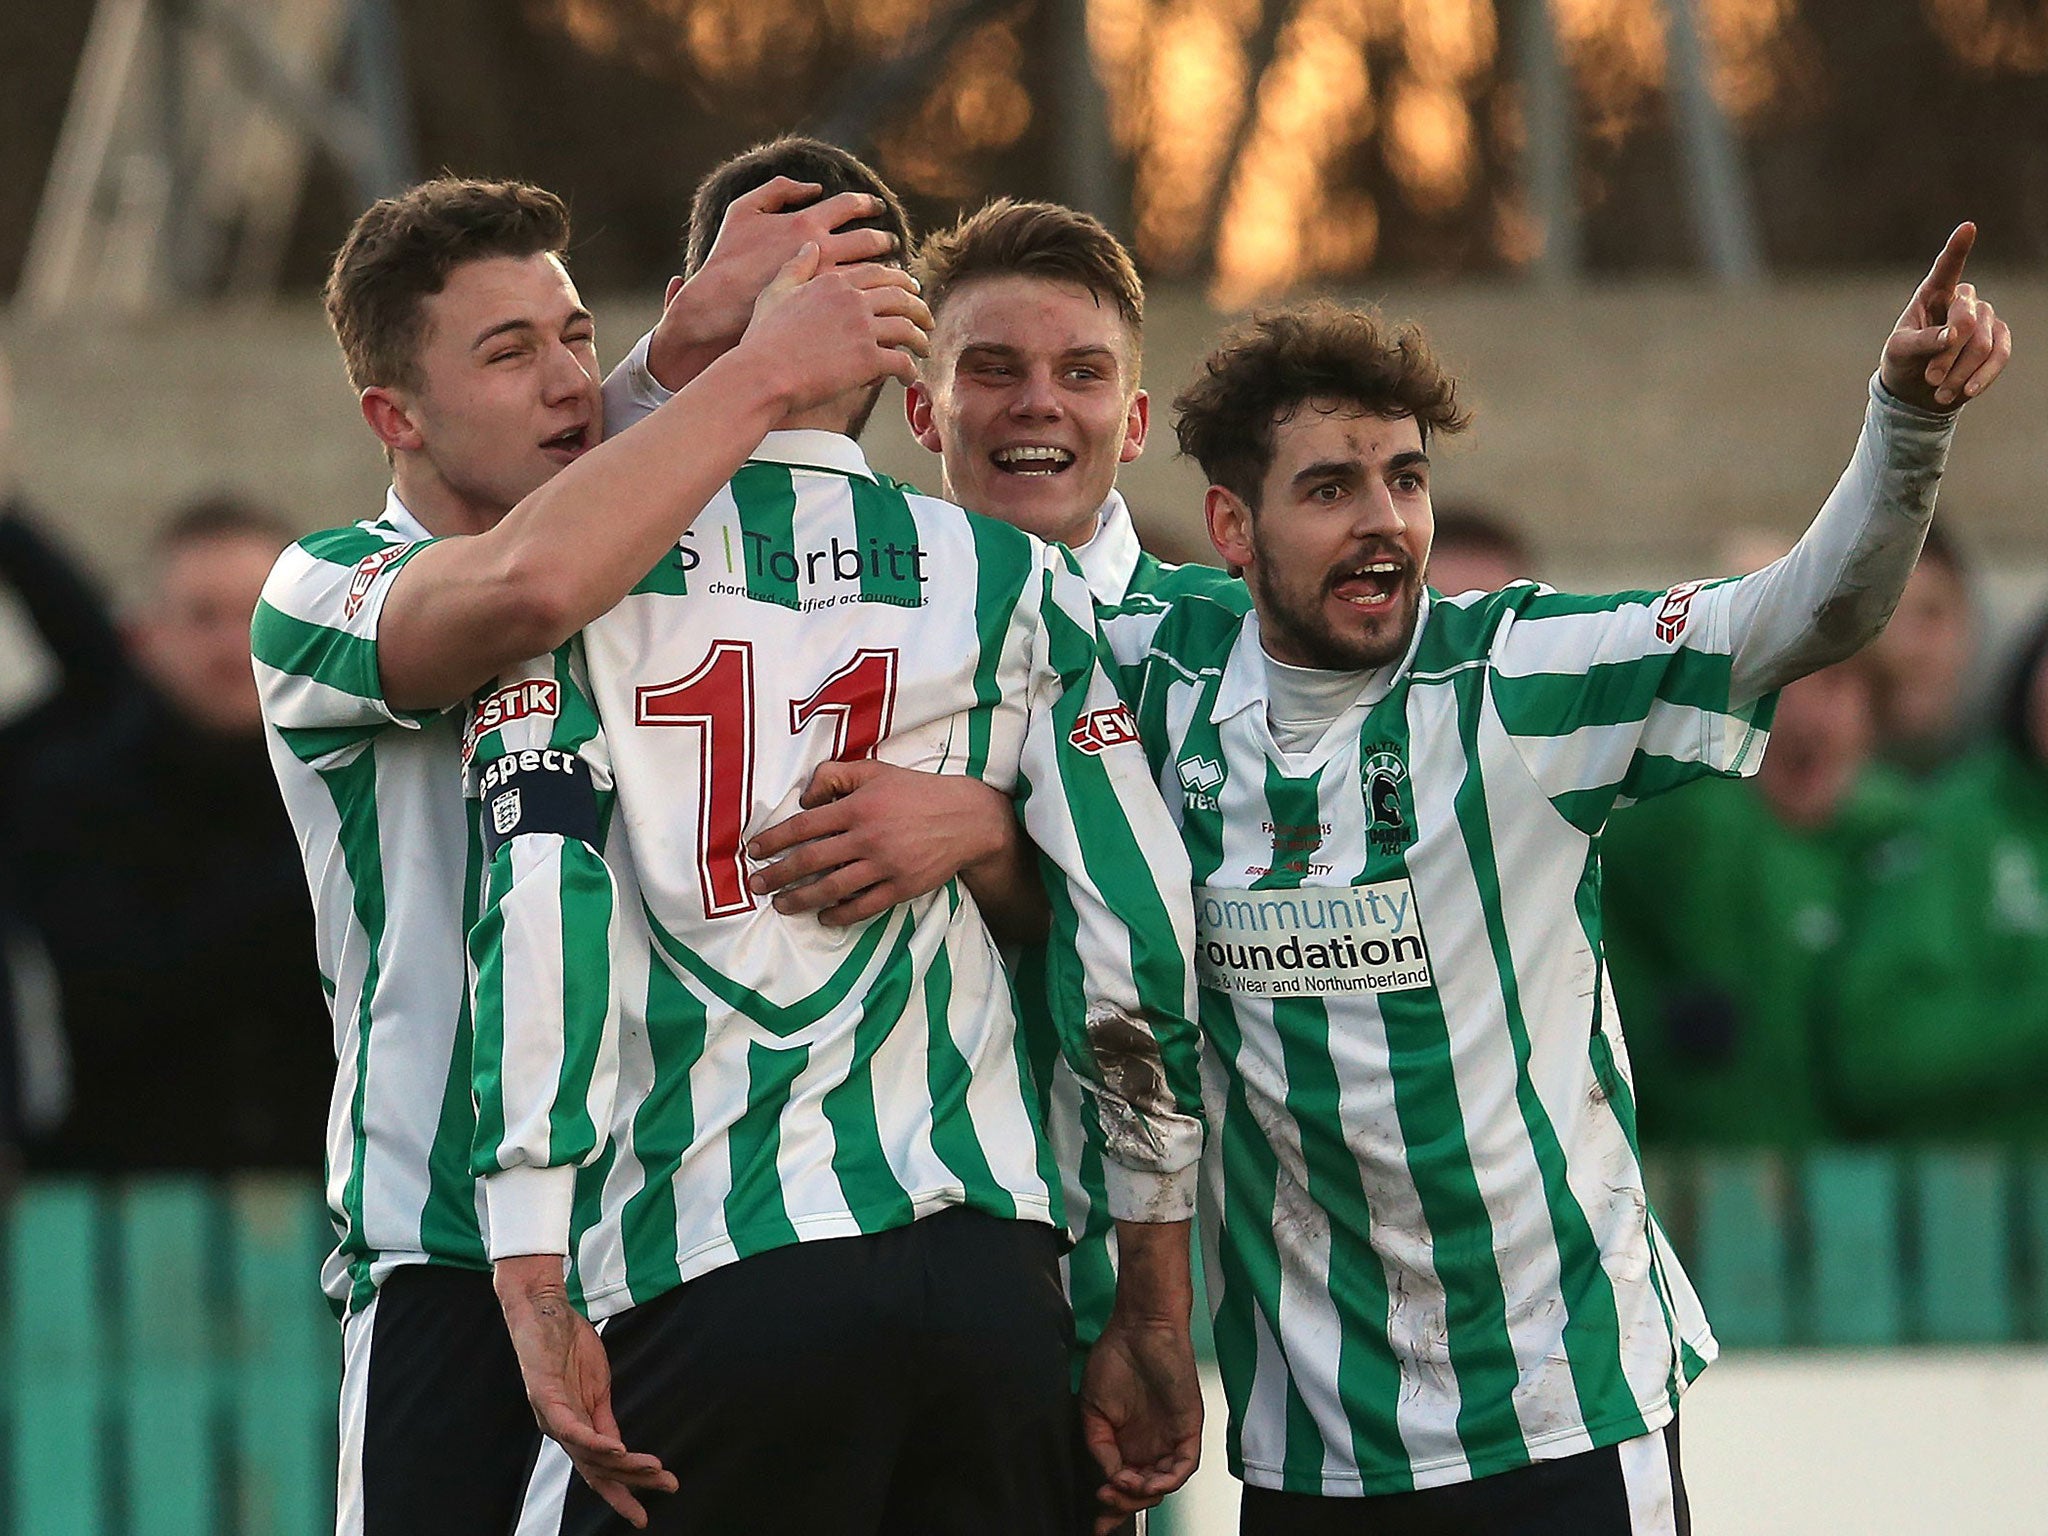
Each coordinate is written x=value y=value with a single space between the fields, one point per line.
x=1032 y=459
x=1373 y=584
x=568 y=443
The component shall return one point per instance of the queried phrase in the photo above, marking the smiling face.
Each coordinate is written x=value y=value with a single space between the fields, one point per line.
x=508 y=392
x=1031 y=399
x=1335 y=547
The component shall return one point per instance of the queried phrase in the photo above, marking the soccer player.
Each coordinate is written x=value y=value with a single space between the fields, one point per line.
x=1032 y=399
x=507 y=526
x=1441 y=1301
x=816 y=1210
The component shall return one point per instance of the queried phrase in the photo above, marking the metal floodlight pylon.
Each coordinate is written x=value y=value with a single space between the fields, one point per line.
x=188 y=138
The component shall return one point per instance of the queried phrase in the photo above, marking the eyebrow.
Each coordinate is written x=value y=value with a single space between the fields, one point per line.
x=1005 y=350
x=1328 y=469
x=1353 y=469
x=505 y=327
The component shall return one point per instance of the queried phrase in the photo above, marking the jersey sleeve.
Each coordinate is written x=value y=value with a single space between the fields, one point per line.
x=545 y=1063
x=314 y=641
x=631 y=392
x=1119 y=982
x=1609 y=700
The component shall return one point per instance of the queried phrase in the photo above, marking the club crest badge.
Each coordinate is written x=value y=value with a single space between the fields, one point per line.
x=1390 y=824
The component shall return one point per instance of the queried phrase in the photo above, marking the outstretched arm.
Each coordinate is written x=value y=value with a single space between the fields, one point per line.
x=1834 y=592
x=463 y=609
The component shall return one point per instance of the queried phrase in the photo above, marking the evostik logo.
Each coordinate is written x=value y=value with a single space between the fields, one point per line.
x=1676 y=611
x=1387 y=825
x=1101 y=729
x=519 y=701
x=367 y=570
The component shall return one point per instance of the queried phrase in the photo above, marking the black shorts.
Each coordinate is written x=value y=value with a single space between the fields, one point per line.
x=1631 y=1489
x=436 y=1434
x=914 y=1380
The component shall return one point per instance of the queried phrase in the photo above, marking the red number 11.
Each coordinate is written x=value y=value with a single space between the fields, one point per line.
x=717 y=701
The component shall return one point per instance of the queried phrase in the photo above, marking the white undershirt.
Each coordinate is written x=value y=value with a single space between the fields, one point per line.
x=1302 y=703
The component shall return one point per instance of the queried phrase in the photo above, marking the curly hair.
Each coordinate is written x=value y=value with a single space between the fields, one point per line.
x=402 y=250
x=1266 y=368
x=1007 y=237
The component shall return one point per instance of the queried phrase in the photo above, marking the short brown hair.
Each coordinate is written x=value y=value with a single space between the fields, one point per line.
x=1046 y=240
x=1266 y=368
x=221 y=515
x=401 y=252
x=800 y=159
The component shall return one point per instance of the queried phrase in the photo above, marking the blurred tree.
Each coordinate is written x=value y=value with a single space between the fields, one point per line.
x=1260 y=144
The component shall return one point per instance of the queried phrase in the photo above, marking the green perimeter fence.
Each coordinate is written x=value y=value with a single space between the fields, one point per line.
x=168 y=1365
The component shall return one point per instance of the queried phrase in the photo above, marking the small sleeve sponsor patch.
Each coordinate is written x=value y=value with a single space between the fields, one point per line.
x=1101 y=729
x=539 y=790
x=1676 y=611
x=367 y=570
x=531 y=698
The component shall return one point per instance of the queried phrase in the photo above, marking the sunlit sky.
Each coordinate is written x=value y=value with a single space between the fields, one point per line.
x=1234 y=176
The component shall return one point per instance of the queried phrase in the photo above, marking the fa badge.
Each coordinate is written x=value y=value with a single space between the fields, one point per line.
x=505 y=812
x=1387 y=819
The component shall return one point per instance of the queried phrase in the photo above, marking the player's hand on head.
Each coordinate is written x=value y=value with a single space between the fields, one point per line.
x=569 y=1385
x=761 y=231
x=835 y=329
x=1949 y=346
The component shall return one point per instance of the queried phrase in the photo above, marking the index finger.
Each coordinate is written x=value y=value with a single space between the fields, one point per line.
x=776 y=193
x=1947 y=270
x=800 y=828
x=845 y=207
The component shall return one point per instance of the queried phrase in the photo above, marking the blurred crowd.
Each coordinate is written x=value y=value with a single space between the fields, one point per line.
x=159 y=1005
x=1854 y=944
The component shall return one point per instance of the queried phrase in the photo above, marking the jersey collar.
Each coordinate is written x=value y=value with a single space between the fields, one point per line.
x=813 y=448
x=1110 y=557
x=399 y=516
x=1244 y=672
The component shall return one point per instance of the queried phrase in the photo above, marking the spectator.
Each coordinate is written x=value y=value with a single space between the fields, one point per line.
x=1944 y=1014
x=1476 y=549
x=71 y=622
x=1923 y=663
x=155 y=859
x=1727 y=909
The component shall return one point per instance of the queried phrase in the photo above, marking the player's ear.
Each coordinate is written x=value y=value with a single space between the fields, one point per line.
x=1136 y=420
x=917 y=410
x=675 y=286
x=1230 y=525
x=389 y=414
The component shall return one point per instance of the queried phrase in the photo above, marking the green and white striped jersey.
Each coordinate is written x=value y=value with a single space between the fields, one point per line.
x=1115 y=567
x=393 y=866
x=1428 y=1249
x=763 y=1079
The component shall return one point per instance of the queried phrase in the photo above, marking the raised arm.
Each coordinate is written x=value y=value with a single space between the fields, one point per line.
x=1834 y=591
x=464 y=609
